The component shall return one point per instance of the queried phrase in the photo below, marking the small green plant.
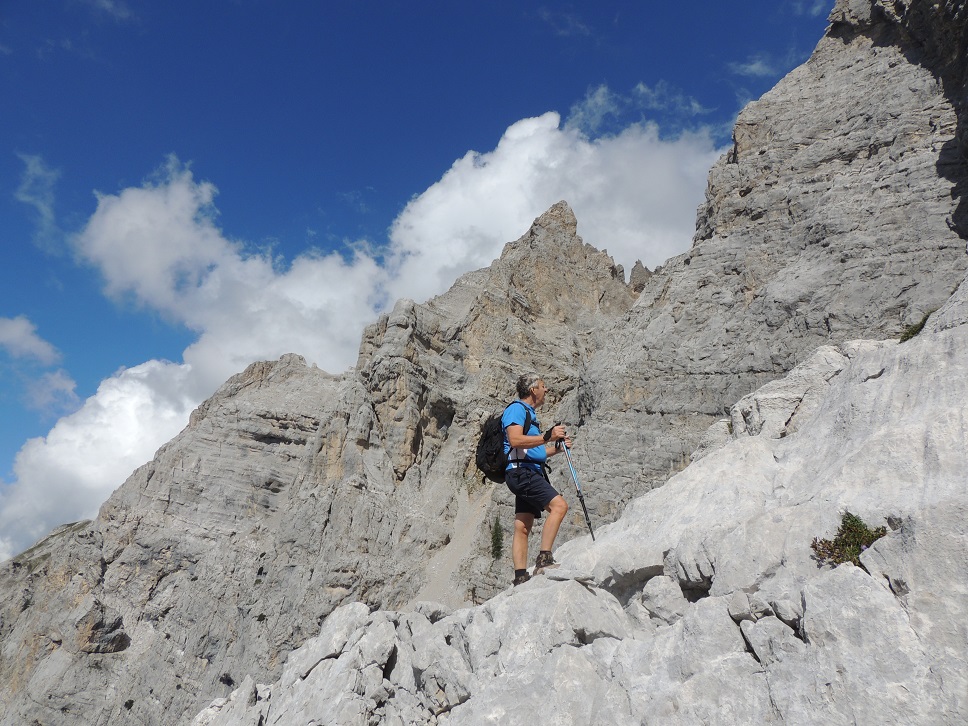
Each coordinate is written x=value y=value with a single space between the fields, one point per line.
x=852 y=538
x=912 y=330
x=497 y=539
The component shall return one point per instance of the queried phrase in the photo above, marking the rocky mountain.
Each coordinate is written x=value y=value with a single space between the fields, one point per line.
x=292 y=491
x=295 y=532
x=704 y=603
x=838 y=214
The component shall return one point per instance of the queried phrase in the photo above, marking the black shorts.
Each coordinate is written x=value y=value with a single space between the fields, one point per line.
x=532 y=491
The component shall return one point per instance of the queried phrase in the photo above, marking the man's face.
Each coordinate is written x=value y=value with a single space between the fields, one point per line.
x=538 y=391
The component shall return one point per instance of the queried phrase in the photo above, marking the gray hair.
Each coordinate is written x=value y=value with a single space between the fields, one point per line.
x=526 y=383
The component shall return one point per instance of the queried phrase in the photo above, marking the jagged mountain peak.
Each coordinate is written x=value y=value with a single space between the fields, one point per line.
x=552 y=267
x=555 y=227
x=540 y=306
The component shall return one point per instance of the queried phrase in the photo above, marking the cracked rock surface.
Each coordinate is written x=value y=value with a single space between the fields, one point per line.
x=703 y=602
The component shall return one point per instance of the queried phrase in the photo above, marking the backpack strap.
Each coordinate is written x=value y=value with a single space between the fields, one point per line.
x=527 y=426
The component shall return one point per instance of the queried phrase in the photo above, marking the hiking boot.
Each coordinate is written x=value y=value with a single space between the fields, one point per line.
x=544 y=562
x=522 y=578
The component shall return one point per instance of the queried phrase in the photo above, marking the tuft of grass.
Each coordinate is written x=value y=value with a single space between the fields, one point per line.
x=853 y=537
x=912 y=330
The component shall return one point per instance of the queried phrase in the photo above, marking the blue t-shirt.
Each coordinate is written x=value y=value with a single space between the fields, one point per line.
x=515 y=414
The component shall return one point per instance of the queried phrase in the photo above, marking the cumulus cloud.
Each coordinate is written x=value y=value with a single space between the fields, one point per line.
x=634 y=194
x=66 y=475
x=159 y=245
x=18 y=337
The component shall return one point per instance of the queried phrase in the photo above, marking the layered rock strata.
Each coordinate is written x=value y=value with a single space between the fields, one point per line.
x=705 y=603
x=839 y=213
x=292 y=491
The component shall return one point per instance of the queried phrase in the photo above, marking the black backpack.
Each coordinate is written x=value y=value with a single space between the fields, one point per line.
x=491 y=459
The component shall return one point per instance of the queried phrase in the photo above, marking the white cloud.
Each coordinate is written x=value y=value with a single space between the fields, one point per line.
x=813 y=8
x=53 y=393
x=159 y=245
x=599 y=103
x=634 y=194
x=18 y=336
x=602 y=108
x=37 y=190
x=156 y=242
x=66 y=475
x=665 y=97
x=757 y=66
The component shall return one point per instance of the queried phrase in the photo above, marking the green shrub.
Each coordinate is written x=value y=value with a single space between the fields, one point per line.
x=852 y=538
x=912 y=330
x=497 y=539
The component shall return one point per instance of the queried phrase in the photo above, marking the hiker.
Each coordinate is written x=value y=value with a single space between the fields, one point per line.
x=527 y=452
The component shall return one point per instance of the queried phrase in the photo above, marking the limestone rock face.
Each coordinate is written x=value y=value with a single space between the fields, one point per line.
x=436 y=371
x=703 y=603
x=255 y=546
x=292 y=491
x=840 y=213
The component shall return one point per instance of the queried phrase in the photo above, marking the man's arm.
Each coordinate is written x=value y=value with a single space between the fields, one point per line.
x=518 y=440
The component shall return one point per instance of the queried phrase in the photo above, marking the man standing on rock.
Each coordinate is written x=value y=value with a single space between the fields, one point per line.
x=527 y=452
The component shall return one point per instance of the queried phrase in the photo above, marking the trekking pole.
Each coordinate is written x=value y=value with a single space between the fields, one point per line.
x=581 y=497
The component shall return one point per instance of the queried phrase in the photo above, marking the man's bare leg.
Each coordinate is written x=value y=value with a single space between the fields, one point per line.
x=523 y=522
x=557 y=509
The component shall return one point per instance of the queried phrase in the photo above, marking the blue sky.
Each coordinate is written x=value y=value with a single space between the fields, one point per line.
x=187 y=187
